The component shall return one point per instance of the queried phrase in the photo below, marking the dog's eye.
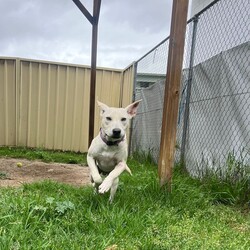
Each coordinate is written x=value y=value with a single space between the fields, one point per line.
x=108 y=118
x=123 y=119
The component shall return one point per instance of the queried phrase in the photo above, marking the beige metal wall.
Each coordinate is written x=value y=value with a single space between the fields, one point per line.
x=127 y=85
x=7 y=102
x=46 y=104
x=127 y=91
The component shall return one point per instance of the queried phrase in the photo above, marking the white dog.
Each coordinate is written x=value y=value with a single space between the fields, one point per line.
x=107 y=154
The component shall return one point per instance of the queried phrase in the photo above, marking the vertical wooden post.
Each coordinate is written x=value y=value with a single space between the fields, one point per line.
x=96 y=11
x=172 y=89
x=94 y=21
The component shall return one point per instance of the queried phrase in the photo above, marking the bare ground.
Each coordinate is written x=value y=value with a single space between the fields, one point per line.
x=33 y=171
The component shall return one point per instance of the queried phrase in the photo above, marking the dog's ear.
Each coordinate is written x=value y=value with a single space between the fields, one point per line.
x=103 y=107
x=132 y=108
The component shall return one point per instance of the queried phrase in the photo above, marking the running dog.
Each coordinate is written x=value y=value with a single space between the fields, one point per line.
x=108 y=152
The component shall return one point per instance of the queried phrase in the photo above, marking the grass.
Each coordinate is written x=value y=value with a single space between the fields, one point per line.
x=3 y=176
x=43 y=155
x=230 y=183
x=49 y=215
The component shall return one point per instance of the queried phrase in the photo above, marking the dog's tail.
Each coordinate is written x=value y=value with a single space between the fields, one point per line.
x=128 y=170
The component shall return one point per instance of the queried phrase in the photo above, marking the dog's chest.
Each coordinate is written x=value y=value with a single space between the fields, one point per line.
x=108 y=159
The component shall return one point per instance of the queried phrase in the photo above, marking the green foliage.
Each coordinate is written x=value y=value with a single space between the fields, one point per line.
x=52 y=209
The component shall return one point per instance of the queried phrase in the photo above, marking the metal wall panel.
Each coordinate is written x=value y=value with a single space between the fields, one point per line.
x=127 y=86
x=7 y=102
x=127 y=91
x=46 y=104
x=108 y=87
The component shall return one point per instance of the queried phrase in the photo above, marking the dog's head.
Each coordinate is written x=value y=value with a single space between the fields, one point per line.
x=114 y=121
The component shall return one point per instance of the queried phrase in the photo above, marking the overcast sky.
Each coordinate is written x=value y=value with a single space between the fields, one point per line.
x=56 y=30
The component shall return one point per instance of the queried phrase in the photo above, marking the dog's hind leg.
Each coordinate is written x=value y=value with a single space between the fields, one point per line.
x=113 y=189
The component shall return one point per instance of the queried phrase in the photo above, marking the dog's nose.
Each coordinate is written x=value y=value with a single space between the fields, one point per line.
x=116 y=132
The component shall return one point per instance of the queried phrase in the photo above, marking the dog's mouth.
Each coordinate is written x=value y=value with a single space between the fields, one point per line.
x=116 y=136
x=113 y=137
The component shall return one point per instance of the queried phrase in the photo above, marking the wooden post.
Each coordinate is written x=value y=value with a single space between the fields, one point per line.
x=94 y=21
x=96 y=12
x=172 y=90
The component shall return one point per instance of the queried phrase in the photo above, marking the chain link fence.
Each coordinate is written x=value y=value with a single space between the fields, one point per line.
x=214 y=109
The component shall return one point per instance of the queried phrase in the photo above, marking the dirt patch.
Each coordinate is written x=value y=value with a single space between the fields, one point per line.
x=12 y=175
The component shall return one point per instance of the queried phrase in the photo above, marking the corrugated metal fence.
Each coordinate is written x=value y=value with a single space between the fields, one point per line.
x=46 y=104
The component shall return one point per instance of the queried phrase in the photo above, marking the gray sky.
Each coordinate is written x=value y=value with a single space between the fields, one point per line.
x=56 y=30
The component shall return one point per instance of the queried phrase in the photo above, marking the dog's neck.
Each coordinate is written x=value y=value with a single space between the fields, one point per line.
x=108 y=142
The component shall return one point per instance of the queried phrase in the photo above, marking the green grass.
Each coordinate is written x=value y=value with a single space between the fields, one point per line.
x=43 y=155
x=48 y=215
x=230 y=183
x=3 y=176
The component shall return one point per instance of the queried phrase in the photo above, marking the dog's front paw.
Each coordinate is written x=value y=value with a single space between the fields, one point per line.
x=105 y=186
x=97 y=180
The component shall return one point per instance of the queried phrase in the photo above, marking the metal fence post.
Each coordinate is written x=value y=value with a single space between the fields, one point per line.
x=189 y=87
x=133 y=99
